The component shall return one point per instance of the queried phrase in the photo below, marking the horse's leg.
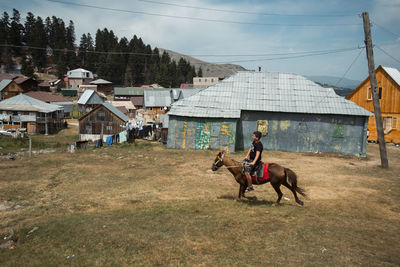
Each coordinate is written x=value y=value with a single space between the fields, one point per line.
x=285 y=183
x=241 y=192
x=277 y=186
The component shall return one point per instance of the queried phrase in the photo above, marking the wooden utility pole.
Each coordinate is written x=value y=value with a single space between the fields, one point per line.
x=374 y=89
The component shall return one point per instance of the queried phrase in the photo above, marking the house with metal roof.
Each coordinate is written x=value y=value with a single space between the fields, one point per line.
x=292 y=112
x=89 y=100
x=53 y=99
x=9 y=88
x=78 y=77
x=35 y=116
x=103 y=86
x=388 y=80
x=103 y=121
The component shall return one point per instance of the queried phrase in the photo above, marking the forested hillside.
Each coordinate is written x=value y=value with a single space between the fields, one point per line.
x=38 y=43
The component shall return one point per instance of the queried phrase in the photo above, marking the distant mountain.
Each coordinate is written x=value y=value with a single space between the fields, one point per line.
x=331 y=81
x=209 y=69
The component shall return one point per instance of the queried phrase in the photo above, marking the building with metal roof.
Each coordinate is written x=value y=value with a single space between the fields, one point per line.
x=102 y=121
x=35 y=116
x=88 y=100
x=388 y=82
x=298 y=115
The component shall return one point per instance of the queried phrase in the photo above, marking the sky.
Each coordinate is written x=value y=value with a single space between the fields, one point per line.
x=224 y=31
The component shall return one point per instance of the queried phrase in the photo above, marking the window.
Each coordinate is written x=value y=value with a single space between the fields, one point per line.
x=109 y=128
x=212 y=80
x=390 y=123
x=87 y=74
x=199 y=80
x=369 y=93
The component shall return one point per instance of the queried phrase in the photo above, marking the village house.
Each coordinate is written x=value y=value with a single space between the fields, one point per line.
x=388 y=80
x=204 y=82
x=292 y=112
x=35 y=116
x=77 y=77
x=103 y=86
x=9 y=88
x=89 y=100
x=55 y=100
x=125 y=107
x=54 y=85
x=26 y=83
x=103 y=121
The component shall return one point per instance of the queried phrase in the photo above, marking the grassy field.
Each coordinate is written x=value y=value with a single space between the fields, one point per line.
x=142 y=204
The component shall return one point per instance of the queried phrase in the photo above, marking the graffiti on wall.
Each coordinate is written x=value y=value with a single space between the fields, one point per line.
x=205 y=135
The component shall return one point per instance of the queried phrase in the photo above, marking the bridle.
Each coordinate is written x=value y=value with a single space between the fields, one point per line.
x=220 y=158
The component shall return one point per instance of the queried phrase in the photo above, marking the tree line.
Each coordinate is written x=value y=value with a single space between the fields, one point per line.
x=39 y=43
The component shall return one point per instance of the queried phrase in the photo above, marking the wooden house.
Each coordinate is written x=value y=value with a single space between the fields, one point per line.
x=104 y=120
x=35 y=116
x=9 y=88
x=388 y=80
x=103 y=86
x=89 y=100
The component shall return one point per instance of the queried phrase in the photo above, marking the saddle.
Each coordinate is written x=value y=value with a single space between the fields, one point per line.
x=261 y=174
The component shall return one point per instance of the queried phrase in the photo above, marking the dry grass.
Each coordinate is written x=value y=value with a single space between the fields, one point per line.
x=141 y=204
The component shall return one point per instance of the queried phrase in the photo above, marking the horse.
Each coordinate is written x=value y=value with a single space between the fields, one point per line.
x=278 y=176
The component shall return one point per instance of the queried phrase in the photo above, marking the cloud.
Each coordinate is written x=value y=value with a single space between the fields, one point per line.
x=200 y=37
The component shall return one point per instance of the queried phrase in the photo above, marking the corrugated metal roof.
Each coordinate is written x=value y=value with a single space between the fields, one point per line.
x=394 y=73
x=87 y=96
x=4 y=84
x=116 y=111
x=100 y=81
x=27 y=103
x=264 y=91
x=157 y=98
x=79 y=74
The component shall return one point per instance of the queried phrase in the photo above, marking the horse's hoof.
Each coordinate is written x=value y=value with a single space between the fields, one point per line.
x=254 y=198
x=300 y=203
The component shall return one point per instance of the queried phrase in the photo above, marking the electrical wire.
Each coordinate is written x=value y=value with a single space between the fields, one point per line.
x=386 y=30
x=348 y=69
x=203 y=19
x=248 y=12
x=386 y=53
x=298 y=54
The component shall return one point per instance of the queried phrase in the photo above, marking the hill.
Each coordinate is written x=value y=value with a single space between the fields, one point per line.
x=209 y=69
x=332 y=81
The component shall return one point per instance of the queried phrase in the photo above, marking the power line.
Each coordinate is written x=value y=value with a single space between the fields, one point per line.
x=386 y=53
x=203 y=19
x=351 y=65
x=249 y=12
x=290 y=57
x=386 y=30
x=304 y=53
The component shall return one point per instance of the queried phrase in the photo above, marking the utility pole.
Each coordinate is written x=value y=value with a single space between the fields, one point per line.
x=374 y=89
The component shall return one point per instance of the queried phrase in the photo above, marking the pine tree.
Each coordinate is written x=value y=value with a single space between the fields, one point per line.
x=27 y=67
x=5 y=58
x=16 y=33
x=200 y=72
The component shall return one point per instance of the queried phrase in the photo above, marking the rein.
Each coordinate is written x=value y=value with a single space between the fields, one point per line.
x=220 y=160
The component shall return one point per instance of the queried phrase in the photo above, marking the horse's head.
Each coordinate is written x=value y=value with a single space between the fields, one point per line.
x=218 y=161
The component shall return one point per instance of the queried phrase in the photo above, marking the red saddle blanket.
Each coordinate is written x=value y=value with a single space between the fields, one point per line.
x=265 y=175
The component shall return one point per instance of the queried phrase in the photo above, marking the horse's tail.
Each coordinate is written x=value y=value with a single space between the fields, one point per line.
x=292 y=177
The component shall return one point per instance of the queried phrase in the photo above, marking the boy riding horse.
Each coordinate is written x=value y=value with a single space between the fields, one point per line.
x=253 y=159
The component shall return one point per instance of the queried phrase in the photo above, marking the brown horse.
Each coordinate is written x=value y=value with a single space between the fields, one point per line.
x=278 y=176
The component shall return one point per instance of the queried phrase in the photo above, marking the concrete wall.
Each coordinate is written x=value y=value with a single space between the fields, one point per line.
x=305 y=132
x=201 y=133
